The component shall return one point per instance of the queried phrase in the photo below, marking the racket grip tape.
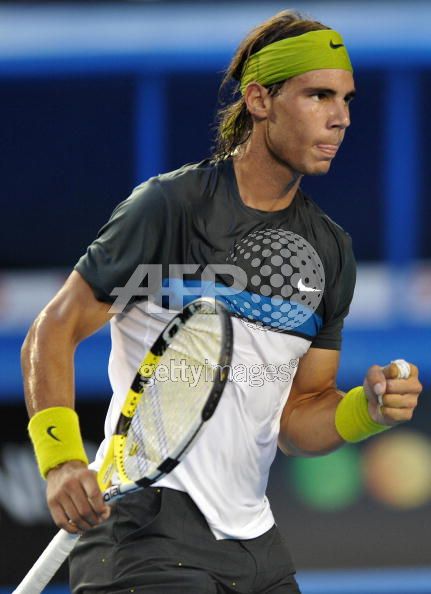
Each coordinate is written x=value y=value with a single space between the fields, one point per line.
x=48 y=563
x=59 y=549
x=56 y=437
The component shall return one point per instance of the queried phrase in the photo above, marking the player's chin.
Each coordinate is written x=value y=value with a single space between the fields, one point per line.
x=317 y=168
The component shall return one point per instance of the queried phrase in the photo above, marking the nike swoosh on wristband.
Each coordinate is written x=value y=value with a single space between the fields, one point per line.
x=50 y=432
x=335 y=45
x=302 y=287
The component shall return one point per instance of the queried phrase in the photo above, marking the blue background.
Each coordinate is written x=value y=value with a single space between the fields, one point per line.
x=95 y=99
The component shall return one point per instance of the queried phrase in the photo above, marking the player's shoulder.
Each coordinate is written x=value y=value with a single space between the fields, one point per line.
x=173 y=189
x=193 y=172
x=324 y=223
x=191 y=184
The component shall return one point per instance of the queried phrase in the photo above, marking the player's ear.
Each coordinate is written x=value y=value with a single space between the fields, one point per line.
x=257 y=100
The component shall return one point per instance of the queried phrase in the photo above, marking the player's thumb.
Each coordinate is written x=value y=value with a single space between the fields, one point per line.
x=376 y=380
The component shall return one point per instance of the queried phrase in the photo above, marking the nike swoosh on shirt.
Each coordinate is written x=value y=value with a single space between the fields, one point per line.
x=302 y=287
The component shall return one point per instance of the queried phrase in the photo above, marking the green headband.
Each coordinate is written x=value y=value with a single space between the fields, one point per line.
x=290 y=57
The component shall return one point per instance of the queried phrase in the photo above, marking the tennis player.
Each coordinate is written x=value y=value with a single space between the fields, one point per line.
x=208 y=526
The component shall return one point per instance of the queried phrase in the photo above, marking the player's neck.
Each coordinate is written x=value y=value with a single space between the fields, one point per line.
x=263 y=183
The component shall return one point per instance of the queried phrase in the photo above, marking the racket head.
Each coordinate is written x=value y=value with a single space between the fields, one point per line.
x=164 y=412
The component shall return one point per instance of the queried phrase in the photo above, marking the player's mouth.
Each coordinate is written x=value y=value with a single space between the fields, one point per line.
x=329 y=150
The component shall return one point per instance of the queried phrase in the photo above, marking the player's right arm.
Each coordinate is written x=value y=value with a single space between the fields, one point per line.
x=47 y=359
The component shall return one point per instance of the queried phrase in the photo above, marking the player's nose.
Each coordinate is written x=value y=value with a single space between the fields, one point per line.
x=340 y=115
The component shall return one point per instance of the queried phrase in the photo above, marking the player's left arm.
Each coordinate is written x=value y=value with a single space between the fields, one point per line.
x=308 y=420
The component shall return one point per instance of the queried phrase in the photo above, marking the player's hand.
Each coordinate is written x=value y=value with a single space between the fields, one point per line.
x=74 y=498
x=391 y=400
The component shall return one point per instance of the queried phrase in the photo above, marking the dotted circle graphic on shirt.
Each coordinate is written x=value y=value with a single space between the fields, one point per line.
x=285 y=279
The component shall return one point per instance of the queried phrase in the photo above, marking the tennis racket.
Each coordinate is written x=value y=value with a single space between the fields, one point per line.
x=162 y=416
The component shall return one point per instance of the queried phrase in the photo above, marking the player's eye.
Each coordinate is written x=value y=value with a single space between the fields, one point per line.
x=319 y=96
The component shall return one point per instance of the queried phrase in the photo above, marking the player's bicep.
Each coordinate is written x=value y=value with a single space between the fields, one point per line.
x=76 y=310
x=317 y=373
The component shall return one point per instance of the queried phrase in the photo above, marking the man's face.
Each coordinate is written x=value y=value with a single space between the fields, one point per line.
x=307 y=120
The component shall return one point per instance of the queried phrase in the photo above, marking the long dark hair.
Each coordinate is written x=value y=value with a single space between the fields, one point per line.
x=234 y=123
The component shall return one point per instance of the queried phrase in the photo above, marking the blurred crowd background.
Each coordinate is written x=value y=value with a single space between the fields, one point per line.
x=96 y=97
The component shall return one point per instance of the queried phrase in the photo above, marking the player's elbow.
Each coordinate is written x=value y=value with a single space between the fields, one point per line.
x=52 y=329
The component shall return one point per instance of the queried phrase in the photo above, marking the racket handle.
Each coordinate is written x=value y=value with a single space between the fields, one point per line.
x=48 y=563
x=59 y=548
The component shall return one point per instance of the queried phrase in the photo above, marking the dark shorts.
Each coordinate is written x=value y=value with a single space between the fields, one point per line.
x=157 y=541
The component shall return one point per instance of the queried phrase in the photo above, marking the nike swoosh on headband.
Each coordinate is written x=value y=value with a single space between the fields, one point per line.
x=335 y=45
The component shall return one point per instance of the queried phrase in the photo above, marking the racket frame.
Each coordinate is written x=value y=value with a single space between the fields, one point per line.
x=114 y=459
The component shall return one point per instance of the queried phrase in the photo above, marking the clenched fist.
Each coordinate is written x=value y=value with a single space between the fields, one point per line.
x=74 y=498
x=392 y=398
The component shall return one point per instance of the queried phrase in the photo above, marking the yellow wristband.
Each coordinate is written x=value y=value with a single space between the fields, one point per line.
x=56 y=437
x=352 y=419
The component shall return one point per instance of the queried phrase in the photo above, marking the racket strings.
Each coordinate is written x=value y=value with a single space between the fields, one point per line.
x=171 y=405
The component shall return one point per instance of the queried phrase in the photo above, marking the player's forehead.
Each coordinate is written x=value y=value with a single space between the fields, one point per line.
x=340 y=81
